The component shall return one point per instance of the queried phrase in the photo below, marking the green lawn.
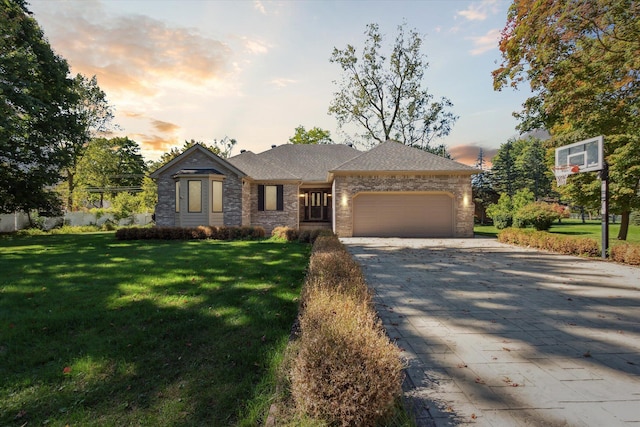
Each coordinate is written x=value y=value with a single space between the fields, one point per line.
x=95 y=331
x=592 y=229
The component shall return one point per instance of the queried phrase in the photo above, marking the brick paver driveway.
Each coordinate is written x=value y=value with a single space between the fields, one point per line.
x=498 y=335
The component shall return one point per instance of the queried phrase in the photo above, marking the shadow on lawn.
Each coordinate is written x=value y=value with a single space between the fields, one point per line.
x=96 y=331
x=549 y=313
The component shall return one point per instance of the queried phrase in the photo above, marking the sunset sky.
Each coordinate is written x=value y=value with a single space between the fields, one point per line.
x=255 y=70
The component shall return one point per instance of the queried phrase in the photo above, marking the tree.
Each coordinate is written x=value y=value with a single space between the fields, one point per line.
x=520 y=164
x=532 y=168
x=582 y=66
x=95 y=115
x=482 y=188
x=312 y=136
x=36 y=113
x=109 y=166
x=386 y=99
x=504 y=172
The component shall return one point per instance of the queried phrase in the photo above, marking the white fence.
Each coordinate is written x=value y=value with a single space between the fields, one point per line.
x=20 y=220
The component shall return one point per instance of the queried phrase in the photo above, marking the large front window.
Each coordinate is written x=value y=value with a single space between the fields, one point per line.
x=195 y=196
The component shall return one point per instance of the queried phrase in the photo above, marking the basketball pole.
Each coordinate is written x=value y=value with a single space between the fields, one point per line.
x=604 y=207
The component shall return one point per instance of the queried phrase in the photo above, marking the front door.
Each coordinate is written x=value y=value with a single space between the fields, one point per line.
x=315 y=209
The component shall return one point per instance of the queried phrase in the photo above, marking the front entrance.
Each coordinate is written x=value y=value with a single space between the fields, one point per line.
x=316 y=206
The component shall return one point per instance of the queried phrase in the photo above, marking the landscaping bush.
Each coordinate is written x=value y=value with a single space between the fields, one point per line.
x=540 y=215
x=189 y=233
x=306 y=236
x=346 y=371
x=551 y=242
x=504 y=213
x=627 y=253
x=331 y=267
x=502 y=221
x=285 y=233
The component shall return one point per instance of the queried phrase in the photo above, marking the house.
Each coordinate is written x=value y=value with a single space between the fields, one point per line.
x=390 y=190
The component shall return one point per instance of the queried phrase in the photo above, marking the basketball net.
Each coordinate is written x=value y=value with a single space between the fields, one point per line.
x=562 y=173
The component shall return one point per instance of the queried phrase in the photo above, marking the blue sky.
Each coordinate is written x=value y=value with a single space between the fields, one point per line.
x=255 y=70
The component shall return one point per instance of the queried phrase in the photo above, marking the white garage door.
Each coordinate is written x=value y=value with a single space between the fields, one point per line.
x=403 y=215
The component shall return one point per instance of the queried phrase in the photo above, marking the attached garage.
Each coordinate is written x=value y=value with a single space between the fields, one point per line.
x=403 y=214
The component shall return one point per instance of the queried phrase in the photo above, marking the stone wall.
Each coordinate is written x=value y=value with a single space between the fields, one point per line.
x=271 y=219
x=457 y=185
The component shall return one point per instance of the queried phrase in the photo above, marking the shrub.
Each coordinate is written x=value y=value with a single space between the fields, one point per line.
x=285 y=233
x=310 y=236
x=186 y=233
x=501 y=212
x=502 y=221
x=569 y=245
x=540 y=215
x=346 y=370
x=627 y=253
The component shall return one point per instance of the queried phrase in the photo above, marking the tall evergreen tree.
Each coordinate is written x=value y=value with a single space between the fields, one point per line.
x=482 y=188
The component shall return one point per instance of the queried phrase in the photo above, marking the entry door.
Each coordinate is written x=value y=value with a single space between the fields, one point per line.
x=315 y=210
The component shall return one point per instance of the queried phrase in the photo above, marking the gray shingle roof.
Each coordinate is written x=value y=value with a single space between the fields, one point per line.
x=258 y=168
x=394 y=156
x=294 y=161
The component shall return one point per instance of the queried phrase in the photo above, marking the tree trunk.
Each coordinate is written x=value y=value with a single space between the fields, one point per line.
x=624 y=225
x=71 y=183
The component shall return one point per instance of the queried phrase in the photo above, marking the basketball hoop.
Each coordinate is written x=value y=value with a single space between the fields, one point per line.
x=562 y=173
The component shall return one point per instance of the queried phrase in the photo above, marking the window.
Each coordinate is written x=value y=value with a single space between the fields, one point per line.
x=216 y=196
x=177 y=196
x=195 y=196
x=270 y=197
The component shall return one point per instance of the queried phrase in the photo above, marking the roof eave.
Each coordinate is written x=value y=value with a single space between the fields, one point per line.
x=404 y=172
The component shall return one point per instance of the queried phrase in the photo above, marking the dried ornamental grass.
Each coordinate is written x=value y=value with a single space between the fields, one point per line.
x=347 y=371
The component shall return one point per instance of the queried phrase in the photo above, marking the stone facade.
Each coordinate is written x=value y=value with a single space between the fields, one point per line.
x=271 y=219
x=231 y=187
x=347 y=186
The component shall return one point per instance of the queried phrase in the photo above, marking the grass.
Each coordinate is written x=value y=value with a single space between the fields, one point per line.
x=591 y=229
x=95 y=331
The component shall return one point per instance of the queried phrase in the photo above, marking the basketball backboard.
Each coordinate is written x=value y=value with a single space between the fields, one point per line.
x=587 y=155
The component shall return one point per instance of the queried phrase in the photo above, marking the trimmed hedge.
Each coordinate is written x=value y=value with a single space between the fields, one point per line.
x=551 y=242
x=346 y=370
x=305 y=236
x=190 y=233
x=627 y=253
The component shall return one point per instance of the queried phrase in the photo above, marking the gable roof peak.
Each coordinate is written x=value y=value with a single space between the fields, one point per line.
x=188 y=152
